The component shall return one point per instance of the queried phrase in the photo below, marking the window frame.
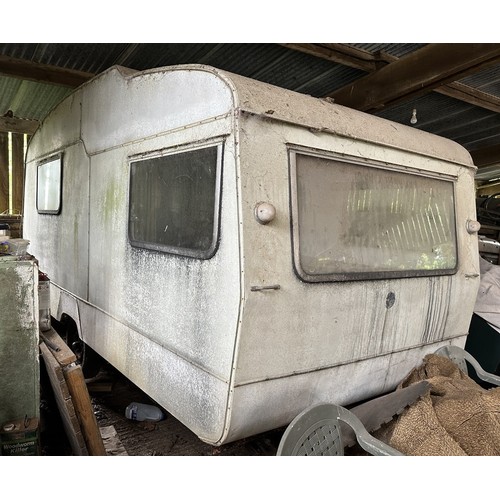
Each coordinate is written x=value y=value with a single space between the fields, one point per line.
x=169 y=249
x=293 y=151
x=57 y=156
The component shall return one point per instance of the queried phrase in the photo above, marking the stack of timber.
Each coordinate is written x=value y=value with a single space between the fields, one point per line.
x=72 y=396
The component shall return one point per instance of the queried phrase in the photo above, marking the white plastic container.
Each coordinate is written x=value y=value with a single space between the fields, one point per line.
x=141 y=412
x=14 y=246
x=4 y=232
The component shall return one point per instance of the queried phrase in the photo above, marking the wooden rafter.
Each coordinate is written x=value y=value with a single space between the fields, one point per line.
x=470 y=95
x=338 y=53
x=28 y=70
x=371 y=63
x=18 y=125
x=416 y=74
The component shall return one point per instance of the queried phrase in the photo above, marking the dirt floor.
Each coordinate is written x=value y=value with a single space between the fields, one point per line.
x=111 y=393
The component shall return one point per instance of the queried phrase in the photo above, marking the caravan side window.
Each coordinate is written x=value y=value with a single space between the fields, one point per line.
x=174 y=202
x=354 y=221
x=49 y=185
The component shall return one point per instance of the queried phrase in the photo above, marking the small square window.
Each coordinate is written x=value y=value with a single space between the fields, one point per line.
x=49 y=176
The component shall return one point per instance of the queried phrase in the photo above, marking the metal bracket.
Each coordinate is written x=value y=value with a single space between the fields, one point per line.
x=264 y=287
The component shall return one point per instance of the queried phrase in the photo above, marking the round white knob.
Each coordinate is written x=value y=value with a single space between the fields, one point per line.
x=473 y=226
x=264 y=212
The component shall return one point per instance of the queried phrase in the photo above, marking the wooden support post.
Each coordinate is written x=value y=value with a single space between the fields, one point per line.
x=4 y=172
x=17 y=172
x=83 y=406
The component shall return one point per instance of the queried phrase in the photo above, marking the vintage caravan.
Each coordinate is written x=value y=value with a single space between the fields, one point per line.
x=241 y=251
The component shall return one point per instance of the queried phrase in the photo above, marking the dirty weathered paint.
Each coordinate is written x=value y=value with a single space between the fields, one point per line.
x=19 y=362
x=236 y=344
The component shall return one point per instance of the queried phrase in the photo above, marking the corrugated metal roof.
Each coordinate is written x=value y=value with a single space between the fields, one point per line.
x=473 y=127
x=29 y=100
x=487 y=80
x=394 y=49
x=270 y=63
x=87 y=57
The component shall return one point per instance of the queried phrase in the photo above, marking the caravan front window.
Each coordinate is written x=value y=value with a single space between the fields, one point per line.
x=355 y=221
x=174 y=202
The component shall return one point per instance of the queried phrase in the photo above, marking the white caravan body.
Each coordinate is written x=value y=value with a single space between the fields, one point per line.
x=143 y=192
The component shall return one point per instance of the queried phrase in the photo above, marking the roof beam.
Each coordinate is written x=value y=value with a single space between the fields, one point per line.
x=17 y=125
x=470 y=95
x=338 y=53
x=366 y=61
x=416 y=74
x=28 y=70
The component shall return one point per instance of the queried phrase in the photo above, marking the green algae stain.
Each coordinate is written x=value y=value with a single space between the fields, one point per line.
x=113 y=202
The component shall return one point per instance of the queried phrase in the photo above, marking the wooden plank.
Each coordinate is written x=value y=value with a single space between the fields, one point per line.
x=337 y=53
x=15 y=223
x=99 y=386
x=64 y=402
x=4 y=172
x=38 y=72
x=84 y=410
x=17 y=172
x=18 y=125
x=354 y=57
x=470 y=95
x=80 y=397
x=416 y=74
x=112 y=443
x=64 y=355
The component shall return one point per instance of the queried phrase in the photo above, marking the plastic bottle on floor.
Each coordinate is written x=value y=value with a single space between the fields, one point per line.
x=141 y=412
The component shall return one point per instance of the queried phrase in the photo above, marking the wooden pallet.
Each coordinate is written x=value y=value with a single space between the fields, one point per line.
x=64 y=402
x=72 y=395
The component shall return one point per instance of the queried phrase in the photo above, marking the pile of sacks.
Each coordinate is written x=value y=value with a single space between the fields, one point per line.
x=456 y=417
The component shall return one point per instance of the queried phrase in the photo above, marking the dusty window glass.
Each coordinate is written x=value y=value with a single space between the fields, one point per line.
x=48 y=193
x=174 y=202
x=360 y=222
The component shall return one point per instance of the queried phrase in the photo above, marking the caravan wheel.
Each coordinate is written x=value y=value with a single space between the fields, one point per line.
x=90 y=361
